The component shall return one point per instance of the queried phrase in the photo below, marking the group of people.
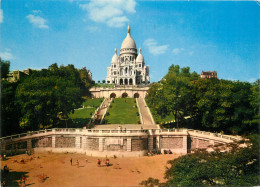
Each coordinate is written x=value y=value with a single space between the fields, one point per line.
x=99 y=162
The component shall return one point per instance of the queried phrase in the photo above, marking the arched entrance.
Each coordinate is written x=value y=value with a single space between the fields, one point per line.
x=136 y=95
x=124 y=95
x=121 y=82
x=112 y=95
x=126 y=82
x=130 y=81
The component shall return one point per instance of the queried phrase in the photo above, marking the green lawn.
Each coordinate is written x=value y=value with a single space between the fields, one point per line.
x=81 y=116
x=96 y=102
x=82 y=113
x=122 y=111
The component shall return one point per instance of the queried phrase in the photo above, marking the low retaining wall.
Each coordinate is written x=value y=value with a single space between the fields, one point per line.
x=113 y=142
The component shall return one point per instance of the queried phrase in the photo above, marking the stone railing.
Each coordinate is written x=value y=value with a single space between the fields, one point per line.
x=95 y=141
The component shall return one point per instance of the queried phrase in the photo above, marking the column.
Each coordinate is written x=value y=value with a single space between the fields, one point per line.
x=77 y=142
x=53 y=139
x=84 y=141
x=158 y=143
x=29 y=144
x=101 y=144
x=184 y=144
x=129 y=144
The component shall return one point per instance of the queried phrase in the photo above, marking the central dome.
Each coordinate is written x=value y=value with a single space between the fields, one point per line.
x=128 y=41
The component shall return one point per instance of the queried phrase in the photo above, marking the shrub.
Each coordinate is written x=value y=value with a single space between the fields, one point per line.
x=137 y=113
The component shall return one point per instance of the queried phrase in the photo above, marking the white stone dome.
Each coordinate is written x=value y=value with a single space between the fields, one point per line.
x=128 y=41
x=115 y=57
x=140 y=57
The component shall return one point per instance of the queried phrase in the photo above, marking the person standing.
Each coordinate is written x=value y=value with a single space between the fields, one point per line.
x=77 y=163
x=99 y=162
x=71 y=161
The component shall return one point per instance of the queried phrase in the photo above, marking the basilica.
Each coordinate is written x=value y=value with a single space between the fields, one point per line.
x=129 y=67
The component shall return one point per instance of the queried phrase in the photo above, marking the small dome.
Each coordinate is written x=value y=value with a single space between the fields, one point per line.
x=140 y=57
x=115 y=57
x=128 y=41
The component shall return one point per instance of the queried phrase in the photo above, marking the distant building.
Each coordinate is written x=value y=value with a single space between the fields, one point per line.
x=208 y=75
x=16 y=75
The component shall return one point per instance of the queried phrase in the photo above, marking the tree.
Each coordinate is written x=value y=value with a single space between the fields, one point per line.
x=239 y=167
x=173 y=94
x=48 y=96
x=5 y=65
x=9 y=109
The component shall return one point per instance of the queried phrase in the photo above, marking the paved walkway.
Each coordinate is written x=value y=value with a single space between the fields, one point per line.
x=103 y=108
x=147 y=118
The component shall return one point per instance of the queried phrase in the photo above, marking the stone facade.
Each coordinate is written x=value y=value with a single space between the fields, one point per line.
x=61 y=142
x=118 y=92
x=42 y=142
x=129 y=67
x=171 y=142
x=139 y=144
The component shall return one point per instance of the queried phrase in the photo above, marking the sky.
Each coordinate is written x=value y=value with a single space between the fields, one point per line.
x=222 y=36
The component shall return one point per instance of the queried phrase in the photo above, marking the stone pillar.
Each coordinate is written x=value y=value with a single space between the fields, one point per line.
x=84 y=141
x=134 y=83
x=29 y=144
x=101 y=144
x=158 y=143
x=150 y=143
x=197 y=143
x=129 y=145
x=77 y=142
x=185 y=144
x=53 y=141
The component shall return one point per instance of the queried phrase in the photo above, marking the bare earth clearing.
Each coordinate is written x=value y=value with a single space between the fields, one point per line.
x=59 y=172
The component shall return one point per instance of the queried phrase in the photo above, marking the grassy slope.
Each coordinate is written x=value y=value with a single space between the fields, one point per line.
x=93 y=102
x=82 y=116
x=123 y=112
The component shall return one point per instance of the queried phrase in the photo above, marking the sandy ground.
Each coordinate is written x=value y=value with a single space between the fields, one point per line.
x=57 y=170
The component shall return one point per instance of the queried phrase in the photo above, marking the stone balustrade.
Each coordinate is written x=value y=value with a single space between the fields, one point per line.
x=111 y=141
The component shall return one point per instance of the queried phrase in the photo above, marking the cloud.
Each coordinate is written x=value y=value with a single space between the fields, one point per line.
x=6 y=55
x=117 y=21
x=111 y=12
x=92 y=28
x=154 y=48
x=37 y=21
x=176 y=51
x=1 y=15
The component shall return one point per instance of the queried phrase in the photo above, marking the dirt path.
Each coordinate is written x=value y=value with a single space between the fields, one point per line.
x=59 y=172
